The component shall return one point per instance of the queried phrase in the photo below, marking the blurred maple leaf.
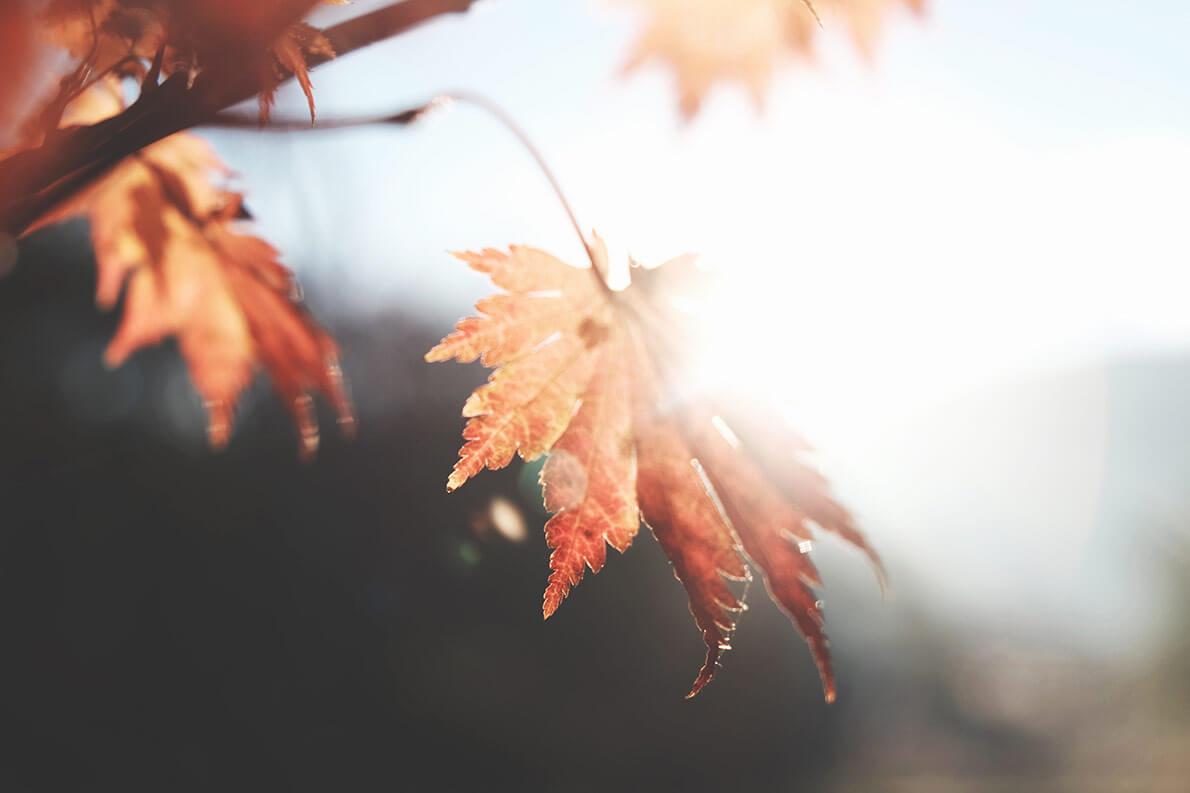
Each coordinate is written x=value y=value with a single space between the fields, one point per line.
x=582 y=374
x=290 y=52
x=16 y=34
x=165 y=234
x=711 y=41
x=192 y=36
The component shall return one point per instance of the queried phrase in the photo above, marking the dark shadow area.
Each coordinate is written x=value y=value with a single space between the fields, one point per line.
x=179 y=620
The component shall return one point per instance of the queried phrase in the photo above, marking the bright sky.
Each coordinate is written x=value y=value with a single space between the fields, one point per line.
x=1004 y=190
x=999 y=190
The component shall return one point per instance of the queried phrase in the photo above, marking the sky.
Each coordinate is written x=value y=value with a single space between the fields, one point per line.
x=1000 y=193
x=998 y=189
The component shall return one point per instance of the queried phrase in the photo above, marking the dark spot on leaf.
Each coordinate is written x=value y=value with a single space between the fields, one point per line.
x=592 y=333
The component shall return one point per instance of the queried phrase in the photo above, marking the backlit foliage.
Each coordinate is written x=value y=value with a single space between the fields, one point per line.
x=585 y=374
x=712 y=41
x=167 y=233
x=591 y=377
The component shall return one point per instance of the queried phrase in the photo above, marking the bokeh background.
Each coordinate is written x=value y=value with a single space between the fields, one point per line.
x=967 y=261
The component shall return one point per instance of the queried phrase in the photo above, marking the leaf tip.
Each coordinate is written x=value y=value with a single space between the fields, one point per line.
x=551 y=601
x=881 y=575
x=698 y=686
x=116 y=354
x=219 y=423
x=439 y=353
x=301 y=409
x=822 y=659
x=706 y=674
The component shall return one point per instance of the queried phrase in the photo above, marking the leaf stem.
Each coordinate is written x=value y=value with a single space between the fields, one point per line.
x=509 y=123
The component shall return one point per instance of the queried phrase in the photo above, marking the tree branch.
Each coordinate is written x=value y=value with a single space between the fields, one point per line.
x=33 y=181
x=388 y=21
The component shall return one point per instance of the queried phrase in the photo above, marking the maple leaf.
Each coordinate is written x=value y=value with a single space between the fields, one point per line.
x=16 y=33
x=83 y=27
x=290 y=55
x=191 y=36
x=582 y=375
x=523 y=406
x=166 y=236
x=707 y=42
x=589 y=482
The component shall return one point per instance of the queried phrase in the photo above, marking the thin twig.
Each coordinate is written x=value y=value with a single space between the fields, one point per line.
x=809 y=4
x=412 y=115
x=77 y=156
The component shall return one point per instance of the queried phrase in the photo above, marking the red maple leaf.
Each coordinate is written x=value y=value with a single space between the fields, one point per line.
x=581 y=374
x=192 y=36
x=168 y=237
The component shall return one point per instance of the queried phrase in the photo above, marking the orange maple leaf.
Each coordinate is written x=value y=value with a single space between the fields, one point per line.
x=581 y=375
x=707 y=42
x=166 y=236
x=105 y=33
x=290 y=54
x=16 y=33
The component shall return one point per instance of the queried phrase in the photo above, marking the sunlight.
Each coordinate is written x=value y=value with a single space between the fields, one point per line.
x=855 y=308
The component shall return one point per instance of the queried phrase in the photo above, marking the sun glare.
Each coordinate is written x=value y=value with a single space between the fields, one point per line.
x=866 y=278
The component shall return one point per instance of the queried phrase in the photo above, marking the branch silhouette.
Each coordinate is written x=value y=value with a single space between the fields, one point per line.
x=33 y=181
